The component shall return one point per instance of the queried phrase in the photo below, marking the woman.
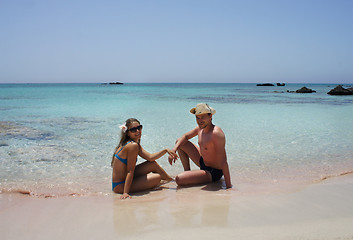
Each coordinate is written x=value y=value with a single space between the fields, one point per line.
x=129 y=177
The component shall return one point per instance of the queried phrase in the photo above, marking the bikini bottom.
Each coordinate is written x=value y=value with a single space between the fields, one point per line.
x=117 y=183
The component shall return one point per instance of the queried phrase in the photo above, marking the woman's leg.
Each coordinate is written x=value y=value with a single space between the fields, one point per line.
x=145 y=182
x=151 y=167
x=141 y=183
x=147 y=175
x=186 y=151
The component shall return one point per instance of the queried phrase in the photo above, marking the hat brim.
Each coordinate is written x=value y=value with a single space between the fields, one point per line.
x=193 y=111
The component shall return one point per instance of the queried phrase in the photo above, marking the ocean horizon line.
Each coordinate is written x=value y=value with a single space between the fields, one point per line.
x=127 y=83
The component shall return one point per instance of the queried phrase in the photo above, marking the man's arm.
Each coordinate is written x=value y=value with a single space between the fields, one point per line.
x=226 y=174
x=182 y=140
x=219 y=143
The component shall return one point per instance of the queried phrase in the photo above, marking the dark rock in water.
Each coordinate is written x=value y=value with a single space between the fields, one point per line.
x=265 y=84
x=305 y=90
x=281 y=84
x=116 y=83
x=14 y=130
x=339 y=90
x=2 y=144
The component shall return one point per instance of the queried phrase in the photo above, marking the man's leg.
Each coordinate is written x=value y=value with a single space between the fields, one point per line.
x=194 y=177
x=187 y=151
x=187 y=178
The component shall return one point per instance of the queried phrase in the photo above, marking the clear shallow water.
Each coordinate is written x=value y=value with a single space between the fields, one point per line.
x=59 y=138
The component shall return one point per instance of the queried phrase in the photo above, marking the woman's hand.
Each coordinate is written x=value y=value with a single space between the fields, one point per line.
x=125 y=195
x=173 y=156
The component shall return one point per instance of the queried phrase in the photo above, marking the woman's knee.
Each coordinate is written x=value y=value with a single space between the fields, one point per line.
x=153 y=166
x=155 y=178
x=149 y=166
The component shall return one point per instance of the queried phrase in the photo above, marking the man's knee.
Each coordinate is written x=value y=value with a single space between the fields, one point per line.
x=177 y=180
x=182 y=146
x=180 y=180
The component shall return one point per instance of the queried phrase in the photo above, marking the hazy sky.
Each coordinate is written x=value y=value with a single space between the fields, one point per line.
x=304 y=41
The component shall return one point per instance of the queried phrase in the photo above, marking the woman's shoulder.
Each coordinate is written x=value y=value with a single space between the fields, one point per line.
x=131 y=146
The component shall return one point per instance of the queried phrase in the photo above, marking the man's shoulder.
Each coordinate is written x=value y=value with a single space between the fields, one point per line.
x=217 y=130
x=218 y=133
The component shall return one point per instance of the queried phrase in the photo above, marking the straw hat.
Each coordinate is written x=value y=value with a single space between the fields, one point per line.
x=202 y=108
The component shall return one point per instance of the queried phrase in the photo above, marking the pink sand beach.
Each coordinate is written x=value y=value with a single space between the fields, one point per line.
x=321 y=210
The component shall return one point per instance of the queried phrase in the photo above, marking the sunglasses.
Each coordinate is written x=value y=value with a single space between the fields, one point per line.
x=134 y=129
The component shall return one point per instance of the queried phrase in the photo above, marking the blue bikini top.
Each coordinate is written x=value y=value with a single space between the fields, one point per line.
x=123 y=160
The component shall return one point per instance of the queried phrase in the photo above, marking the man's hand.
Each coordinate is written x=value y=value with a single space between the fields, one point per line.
x=173 y=156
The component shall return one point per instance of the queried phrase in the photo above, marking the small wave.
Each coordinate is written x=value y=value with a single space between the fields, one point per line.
x=38 y=195
x=323 y=178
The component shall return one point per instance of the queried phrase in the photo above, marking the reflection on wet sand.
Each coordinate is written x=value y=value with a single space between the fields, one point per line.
x=170 y=209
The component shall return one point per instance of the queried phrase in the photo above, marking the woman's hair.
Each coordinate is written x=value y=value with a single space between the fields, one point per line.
x=124 y=136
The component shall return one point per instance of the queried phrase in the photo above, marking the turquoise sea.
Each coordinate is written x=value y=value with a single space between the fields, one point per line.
x=58 y=139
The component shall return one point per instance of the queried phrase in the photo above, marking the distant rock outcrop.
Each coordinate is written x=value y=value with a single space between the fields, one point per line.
x=281 y=84
x=265 y=84
x=118 y=83
x=305 y=90
x=339 y=90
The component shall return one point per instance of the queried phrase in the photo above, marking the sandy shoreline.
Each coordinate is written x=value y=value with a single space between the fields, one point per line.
x=318 y=211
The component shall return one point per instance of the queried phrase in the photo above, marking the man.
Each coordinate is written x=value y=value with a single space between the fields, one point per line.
x=210 y=155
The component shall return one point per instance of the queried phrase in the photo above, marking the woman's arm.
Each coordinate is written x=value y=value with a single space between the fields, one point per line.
x=154 y=156
x=132 y=152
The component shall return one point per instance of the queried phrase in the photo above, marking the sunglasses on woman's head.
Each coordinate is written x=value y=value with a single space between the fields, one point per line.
x=134 y=129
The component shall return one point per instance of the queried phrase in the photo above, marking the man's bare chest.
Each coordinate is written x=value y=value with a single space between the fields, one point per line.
x=205 y=141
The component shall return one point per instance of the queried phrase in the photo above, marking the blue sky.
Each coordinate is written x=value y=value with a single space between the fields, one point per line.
x=304 y=41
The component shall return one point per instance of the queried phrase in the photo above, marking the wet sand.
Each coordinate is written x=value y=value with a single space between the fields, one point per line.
x=321 y=210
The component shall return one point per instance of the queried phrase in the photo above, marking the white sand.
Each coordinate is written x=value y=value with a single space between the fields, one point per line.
x=319 y=211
